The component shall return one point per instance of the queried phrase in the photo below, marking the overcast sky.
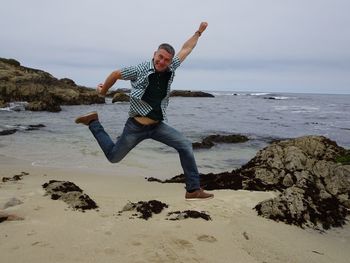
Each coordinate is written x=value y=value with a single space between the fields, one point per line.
x=249 y=45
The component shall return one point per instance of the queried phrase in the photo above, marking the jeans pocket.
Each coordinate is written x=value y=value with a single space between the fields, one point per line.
x=132 y=125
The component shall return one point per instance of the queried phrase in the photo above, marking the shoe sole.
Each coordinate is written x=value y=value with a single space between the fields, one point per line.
x=85 y=115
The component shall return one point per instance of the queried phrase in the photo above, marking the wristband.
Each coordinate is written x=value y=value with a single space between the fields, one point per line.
x=199 y=33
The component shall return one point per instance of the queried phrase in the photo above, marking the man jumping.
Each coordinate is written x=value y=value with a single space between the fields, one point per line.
x=149 y=99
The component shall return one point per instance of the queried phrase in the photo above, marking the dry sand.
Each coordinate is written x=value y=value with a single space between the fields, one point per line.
x=53 y=232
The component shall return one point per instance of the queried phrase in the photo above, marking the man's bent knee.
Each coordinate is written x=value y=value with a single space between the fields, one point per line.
x=114 y=159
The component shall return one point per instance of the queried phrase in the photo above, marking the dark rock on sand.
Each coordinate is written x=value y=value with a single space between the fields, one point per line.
x=145 y=209
x=41 y=90
x=188 y=93
x=16 y=177
x=226 y=180
x=180 y=215
x=3 y=217
x=210 y=140
x=70 y=194
x=9 y=217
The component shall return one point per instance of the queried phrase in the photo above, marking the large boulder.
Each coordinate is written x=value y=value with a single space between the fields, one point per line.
x=314 y=188
x=120 y=97
x=41 y=89
x=111 y=93
x=285 y=163
x=43 y=106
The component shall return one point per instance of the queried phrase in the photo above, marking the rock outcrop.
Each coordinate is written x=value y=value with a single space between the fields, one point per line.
x=188 y=93
x=41 y=90
x=314 y=188
x=310 y=175
x=111 y=93
x=120 y=97
x=210 y=140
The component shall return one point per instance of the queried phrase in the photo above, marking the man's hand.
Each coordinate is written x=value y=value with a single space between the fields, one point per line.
x=202 y=27
x=100 y=90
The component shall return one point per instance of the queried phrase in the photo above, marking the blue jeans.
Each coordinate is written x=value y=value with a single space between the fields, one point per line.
x=135 y=132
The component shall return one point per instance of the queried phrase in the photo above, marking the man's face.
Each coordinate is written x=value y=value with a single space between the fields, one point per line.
x=162 y=59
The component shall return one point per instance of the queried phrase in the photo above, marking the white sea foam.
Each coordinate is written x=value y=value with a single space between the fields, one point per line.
x=259 y=94
x=280 y=98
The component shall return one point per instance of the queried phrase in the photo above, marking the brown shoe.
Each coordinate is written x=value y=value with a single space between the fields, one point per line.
x=87 y=118
x=198 y=195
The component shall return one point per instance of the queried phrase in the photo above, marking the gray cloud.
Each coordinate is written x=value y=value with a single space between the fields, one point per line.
x=277 y=43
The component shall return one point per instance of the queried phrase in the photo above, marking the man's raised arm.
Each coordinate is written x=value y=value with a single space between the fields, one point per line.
x=192 y=42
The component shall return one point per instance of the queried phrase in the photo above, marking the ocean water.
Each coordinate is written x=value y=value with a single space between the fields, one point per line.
x=260 y=116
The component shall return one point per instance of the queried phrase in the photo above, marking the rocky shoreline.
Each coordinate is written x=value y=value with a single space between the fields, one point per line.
x=39 y=89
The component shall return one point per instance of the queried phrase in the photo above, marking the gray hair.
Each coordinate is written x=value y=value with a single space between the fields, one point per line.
x=168 y=48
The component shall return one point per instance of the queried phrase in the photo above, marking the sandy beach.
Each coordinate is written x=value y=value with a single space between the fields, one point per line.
x=51 y=231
